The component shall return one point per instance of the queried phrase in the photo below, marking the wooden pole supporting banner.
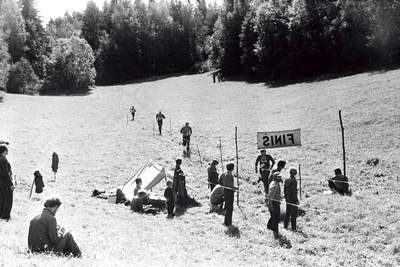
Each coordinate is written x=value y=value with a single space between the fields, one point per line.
x=237 y=165
x=220 y=153
x=344 y=151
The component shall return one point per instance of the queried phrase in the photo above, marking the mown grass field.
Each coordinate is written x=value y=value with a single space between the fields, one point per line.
x=99 y=148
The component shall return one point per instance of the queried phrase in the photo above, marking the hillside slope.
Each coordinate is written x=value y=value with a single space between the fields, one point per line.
x=100 y=147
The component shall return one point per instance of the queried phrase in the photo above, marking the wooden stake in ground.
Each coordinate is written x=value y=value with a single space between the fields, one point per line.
x=344 y=151
x=237 y=165
x=201 y=163
x=30 y=194
x=170 y=126
x=220 y=153
x=154 y=135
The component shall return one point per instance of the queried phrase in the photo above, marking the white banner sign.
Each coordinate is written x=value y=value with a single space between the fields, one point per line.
x=278 y=139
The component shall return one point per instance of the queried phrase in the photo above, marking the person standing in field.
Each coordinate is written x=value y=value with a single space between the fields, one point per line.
x=273 y=203
x=229 y=192
x=169 y=195
x=186 y=132
x=266 y=164
x=6 y=185
x=279 y=168
x=179 y=184
x=46 y=236
x=159 y=119
x=290 y=189
x=212 y=174
x=133 y=112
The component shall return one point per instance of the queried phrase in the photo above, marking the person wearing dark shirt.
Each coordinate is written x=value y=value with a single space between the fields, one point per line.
x=159 y=119
x=290 y=189
x=186 y=132
x=339 y=183
x=229 y=192
x=46 y=236
x=266 y=163
x=179 y=184
x=169 y=195
x=212 y=174
x=6 y=185
x=133 y=112
x=281 y=165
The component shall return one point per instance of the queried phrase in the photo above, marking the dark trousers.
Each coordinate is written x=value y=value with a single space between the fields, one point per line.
x=264 y=179
x=159 y=126
x=186 y=142
x=291 y=212
x=6 y=202
x=133 y=116
x=170 y=207
x=229 y=197
x=67 y=246
x=211 y=186
x=273 y=221
x=339 y=190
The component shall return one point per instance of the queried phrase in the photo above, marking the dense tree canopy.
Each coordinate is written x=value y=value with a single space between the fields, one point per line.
x=130 y=39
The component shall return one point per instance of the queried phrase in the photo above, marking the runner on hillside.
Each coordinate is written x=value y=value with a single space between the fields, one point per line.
x=159 y=119
x=264 y=160
x=133 y=111
x=186 y=131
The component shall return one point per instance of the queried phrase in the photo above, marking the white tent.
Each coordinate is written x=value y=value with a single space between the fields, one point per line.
x=151 y=174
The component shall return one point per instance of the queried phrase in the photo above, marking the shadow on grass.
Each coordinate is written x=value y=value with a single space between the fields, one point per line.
x=190 y=203
x=284 y=242
x=233 y=231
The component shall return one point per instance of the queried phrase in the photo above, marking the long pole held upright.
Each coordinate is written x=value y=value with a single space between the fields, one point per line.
x=237 y=165
x=344 y=151
x=220 y=153
x=300 y=179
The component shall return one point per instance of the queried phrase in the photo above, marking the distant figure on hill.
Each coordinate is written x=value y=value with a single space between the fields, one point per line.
x=159 y=119
x=266 y=164
x=54 y=164
x=186 y=132
x=290 y=189
x=169 y=195
x=212 y=174
x=6 y=185
x=339 y=183
x=138 y=182
x=273 y=203
x=46 y=236
x=179 y=184
x=229 y=192
x=279 y=168
x=39 y=184
x=133 y=111
x=217 y=198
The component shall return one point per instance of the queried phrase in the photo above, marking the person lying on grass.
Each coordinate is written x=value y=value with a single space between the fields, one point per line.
x=46 y=236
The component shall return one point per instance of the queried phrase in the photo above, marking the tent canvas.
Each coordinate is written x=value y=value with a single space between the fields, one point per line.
x=151 y=174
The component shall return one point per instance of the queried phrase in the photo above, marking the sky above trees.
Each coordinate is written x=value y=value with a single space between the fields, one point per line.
x=50 y=9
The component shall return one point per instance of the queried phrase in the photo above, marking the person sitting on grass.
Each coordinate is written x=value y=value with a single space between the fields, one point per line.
x=137 y=202
x=138 y=186
x=46 y=236
x=217 y=198
x=339 y=183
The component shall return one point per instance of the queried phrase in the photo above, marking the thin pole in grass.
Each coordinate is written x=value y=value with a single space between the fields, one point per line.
x=170 y=126
x=198 y=150
x=127 y=118
x=154 y=135
x=220 y=153
x=237 y=165
x=344 y=151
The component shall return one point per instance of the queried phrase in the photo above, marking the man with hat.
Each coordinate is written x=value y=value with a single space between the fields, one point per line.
x=266 y=164
x=339 y=183
x=212 y=174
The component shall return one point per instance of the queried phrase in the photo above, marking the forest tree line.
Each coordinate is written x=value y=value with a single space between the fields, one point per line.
x=125 y=40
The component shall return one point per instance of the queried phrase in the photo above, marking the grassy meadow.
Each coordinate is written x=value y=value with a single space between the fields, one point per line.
x=99 y=147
